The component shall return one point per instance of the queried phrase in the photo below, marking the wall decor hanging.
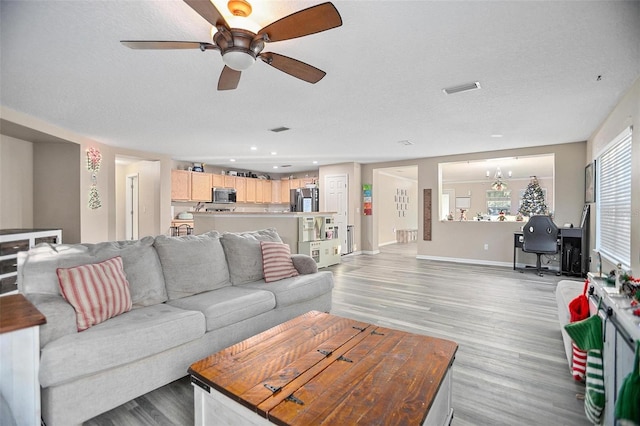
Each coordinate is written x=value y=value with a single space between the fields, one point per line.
x=367 y=205
x=94 y=160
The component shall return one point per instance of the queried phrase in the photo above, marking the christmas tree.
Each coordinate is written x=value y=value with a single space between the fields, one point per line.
x=94 y=198
x=533 y=199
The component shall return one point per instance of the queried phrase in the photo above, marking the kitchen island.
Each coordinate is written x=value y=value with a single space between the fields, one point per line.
x=286 y=223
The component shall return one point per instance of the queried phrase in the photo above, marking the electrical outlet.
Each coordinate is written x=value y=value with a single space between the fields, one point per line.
x=486 y=246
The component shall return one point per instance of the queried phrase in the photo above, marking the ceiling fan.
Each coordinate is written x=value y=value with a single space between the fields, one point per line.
x=240 y=47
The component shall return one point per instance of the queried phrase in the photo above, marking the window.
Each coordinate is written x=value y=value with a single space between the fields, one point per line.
x=613 y=200
x=498 y=201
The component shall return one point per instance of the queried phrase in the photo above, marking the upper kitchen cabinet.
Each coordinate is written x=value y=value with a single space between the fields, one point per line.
x=251 y=190
x=190 y=186
x=201 y=186
x=241 y=189
x=276 y=194
x=180 y=185
x=266 y=191
x=217 y=181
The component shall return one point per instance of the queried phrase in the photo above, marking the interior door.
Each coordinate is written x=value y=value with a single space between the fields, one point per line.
x=132 y=207
x=336 y=200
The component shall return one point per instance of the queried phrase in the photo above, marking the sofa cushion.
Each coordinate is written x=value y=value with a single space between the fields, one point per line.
x=37 y=267
x=192 y=264
x=290 y=291
x=304 y=263
x=228 y=305
x=131 y=336
x=243 y=253
x=141 y=265
x=276 y=261
x=96 y=291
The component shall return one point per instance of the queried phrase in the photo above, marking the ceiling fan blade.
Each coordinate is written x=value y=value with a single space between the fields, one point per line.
x=208 y=11
x=293 y=67
x=304 y=22
x=229 y=79
x=139 y=44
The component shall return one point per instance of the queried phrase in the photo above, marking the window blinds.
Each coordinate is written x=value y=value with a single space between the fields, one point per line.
x=613 y=200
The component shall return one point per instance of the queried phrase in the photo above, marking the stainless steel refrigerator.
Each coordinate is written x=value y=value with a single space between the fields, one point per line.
x=304 y=200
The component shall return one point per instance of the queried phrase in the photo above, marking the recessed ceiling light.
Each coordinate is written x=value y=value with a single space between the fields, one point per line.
x=314 y=162
x=462 y=88
x=233 y=160
x=275 y=167
x=254 y=148
x=496 y=135
x=274 y=153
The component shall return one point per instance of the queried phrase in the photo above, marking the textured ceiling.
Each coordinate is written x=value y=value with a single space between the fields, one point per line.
x=537 y=62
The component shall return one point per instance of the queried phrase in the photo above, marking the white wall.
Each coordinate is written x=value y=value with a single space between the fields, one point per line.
x=625 y=114
x=16 y=183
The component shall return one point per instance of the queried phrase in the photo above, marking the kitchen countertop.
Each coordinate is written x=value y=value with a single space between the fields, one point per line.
x=292 y=214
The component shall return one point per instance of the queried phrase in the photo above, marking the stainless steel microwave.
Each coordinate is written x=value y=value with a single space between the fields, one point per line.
x=223 y=195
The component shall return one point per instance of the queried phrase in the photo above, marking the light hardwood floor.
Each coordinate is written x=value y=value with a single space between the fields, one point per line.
x=510 y=368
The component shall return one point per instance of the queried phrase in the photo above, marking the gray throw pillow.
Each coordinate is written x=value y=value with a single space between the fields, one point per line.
x=192 y=264
x=141 y=266
x=244 y=255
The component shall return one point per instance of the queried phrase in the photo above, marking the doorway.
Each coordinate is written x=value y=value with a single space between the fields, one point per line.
x=132 y=207
x=336 y=200
x=396 y=208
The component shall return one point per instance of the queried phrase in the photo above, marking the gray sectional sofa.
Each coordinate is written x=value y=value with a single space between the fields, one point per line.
x=192 y=296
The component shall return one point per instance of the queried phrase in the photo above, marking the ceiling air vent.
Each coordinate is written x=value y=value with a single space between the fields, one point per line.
x=279 y=129
x=462 y=88
x=405 y=142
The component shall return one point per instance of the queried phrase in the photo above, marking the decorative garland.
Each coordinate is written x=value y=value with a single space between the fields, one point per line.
x=94 y=160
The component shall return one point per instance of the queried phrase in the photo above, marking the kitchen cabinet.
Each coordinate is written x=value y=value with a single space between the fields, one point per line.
x=266 y=191
x=13 y=241
x=190 y=186
x=217 y=181
x=241 y=189
x=285 y=185
x=229 y=181
x=276 y=195
x=294 y=183
x=180 y=185
x=201 y=186
x=251 y=190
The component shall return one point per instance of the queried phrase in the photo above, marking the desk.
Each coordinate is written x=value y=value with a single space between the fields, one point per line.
x=572 y=248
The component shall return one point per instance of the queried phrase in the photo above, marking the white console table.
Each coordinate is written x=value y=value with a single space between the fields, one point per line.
x=621 y=331
x=20 y=354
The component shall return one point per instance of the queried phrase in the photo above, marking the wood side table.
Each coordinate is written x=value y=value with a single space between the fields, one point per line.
x=20 y=358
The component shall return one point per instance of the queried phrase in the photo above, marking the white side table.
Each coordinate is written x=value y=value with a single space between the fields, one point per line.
x=20 y=357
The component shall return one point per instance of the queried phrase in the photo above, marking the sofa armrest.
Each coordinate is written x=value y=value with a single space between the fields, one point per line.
x=304 y=264
x=60 y=315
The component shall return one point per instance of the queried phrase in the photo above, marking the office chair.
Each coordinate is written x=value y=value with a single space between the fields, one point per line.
x=540 y=237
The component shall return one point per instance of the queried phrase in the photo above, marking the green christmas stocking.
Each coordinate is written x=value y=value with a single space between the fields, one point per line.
x=587 y=335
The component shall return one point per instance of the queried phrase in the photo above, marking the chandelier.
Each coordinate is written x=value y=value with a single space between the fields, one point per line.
x=498 y=184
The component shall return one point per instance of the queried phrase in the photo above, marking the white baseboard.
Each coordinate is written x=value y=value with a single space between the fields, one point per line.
x=462 y=260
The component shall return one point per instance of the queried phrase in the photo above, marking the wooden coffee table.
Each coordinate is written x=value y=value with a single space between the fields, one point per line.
x=324 y=369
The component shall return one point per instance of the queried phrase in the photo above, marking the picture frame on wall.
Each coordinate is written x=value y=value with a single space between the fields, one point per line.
x=590 y=183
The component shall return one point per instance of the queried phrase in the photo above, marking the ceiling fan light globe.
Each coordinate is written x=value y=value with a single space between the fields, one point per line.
x=238 y=61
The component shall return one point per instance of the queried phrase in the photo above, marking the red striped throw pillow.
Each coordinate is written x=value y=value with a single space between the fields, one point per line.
x=96 y=291
x=276 y=261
